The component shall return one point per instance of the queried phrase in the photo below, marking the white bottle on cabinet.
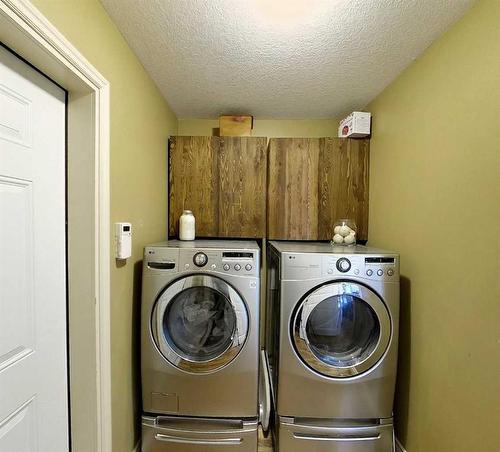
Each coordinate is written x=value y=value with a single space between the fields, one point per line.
x=186 y=226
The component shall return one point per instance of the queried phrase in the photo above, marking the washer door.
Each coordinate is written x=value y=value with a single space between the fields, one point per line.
x=341 y=329
x=199 y=323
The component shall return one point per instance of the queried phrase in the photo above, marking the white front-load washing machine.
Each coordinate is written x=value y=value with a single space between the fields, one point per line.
x=200 y=346
x=332 y=339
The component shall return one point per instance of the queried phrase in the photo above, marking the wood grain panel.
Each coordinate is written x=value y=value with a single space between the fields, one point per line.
x=242 y=187
x=276 y=188
x=343 y=184
x=193 y=181
x=314 y=182
x=292 y=189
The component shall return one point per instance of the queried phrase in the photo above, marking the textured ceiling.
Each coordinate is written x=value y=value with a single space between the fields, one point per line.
x=278 y=58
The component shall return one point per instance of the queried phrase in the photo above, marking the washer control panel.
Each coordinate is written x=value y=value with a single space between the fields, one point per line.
x=231 y=262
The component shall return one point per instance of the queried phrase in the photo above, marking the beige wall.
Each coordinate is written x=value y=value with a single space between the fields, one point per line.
x=435 y=197
x=271 y=128
x=140 y=124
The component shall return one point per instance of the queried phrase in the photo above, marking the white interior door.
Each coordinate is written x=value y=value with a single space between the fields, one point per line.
x=33 y=340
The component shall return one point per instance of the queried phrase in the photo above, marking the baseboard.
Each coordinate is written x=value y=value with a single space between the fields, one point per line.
x=399 y=446
x=137 y=447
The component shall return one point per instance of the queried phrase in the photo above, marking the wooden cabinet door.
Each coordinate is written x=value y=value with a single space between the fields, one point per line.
x=223 y=181
x=312 y=183
x=242 y=186
x=194 y=183
x=293 y=188
x=343 y=184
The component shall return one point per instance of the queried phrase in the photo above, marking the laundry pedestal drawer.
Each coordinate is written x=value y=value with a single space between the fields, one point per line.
x=183 y=434
x=328 y=436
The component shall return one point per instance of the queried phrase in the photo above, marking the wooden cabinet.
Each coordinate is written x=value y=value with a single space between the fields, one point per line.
x=223 y=181
x=309 y=183
x=312 y=183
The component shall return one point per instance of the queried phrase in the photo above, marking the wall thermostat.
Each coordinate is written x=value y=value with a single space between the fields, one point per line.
x=123 y=240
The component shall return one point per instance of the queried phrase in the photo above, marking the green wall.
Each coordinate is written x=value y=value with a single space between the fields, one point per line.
x=271 y=128
x=435 y=197
x=141 y=122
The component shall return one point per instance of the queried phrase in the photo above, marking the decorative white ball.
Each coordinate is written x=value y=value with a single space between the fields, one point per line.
x=336 y=230
x=350 y=239
x=337 y=238
x=345 y=230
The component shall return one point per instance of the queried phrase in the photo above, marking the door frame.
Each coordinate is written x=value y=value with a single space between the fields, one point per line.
x=28 y=33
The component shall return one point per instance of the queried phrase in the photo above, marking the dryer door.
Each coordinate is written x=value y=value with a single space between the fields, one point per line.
x=199 y=323
x=341 y=329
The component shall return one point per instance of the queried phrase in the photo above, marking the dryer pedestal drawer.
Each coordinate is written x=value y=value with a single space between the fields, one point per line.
x=184 y=434
x=323 y=437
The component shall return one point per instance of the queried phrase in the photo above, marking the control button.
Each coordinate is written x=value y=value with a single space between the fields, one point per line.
x=390 y=272
x=343 y=265
x=380 y=272
x=237 y=267
x=369 y=272
x=226 y=267
x=248 y=267
x=356 y=271
x=200 y=259
x=186 y=266
x=330 y=271
x=213 y=266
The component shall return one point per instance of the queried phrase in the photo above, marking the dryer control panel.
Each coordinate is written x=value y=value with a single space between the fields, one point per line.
x=300 y=266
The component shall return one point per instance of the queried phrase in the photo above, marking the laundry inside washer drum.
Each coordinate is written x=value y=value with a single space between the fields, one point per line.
x=199 y=323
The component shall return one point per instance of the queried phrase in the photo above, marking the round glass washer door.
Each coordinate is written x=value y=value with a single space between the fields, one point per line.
x=341 y=329
x=199 y=323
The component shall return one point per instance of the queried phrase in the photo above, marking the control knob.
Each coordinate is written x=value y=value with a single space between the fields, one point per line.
x=200 y=259
x=343 y=265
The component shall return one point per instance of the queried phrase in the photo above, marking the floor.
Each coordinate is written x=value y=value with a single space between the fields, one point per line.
x=265 y=444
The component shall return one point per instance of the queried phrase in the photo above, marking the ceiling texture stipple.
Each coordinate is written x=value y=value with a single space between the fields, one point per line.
x=278 y=59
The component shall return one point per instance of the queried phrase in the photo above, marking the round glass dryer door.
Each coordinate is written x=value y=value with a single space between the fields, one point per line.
x=199 y=323
x=341 y=329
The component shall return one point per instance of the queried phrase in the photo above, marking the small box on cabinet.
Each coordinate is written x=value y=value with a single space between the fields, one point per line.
x=356 y=125
x=235 y=126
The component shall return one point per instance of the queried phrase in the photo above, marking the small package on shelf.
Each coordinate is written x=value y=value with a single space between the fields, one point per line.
x=356 y=125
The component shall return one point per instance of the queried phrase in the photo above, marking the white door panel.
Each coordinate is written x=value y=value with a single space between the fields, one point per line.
x=15 y=117
x=33 y=367
x=17 y=431
x=16 y=275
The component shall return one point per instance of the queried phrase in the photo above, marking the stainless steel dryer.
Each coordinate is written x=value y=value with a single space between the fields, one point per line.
x=332 y=337
x=200 y=346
